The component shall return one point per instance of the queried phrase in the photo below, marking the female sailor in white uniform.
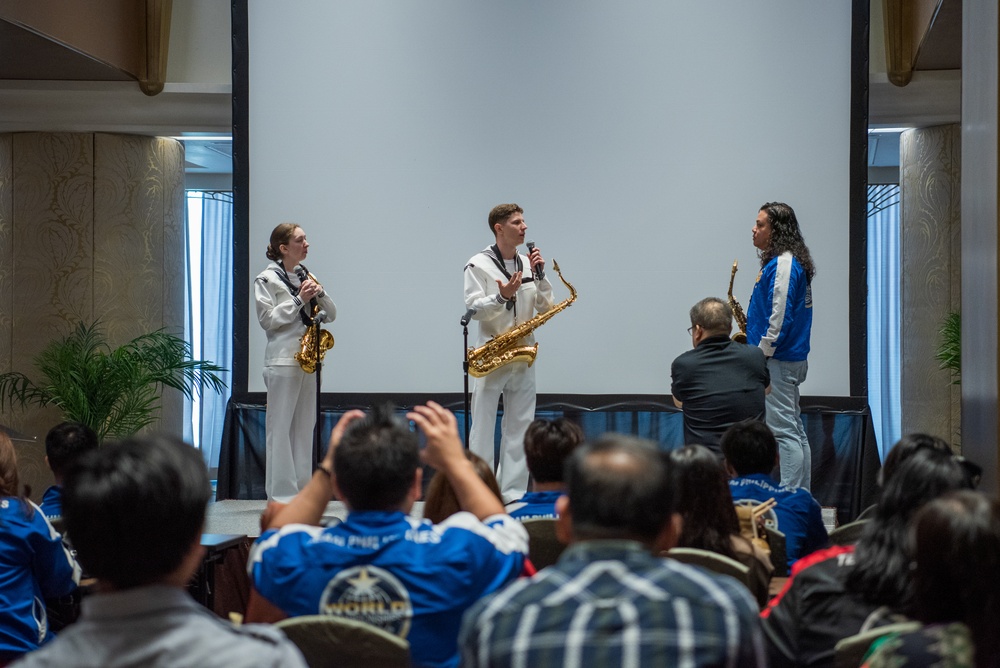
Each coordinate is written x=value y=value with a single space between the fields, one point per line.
x=283 y=293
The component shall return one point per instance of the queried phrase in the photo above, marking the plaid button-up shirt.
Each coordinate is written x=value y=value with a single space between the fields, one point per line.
x=612 y=603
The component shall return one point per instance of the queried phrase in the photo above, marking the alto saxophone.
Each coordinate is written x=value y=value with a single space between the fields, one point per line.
x=738 y=314
x=509 y=347
x=307 y=357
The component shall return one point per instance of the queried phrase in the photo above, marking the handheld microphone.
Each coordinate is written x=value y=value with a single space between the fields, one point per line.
x=537 y=272
x=467 y=317
x=303 y=277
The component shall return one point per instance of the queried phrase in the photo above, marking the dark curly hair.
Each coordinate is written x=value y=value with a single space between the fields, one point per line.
x=786 y=237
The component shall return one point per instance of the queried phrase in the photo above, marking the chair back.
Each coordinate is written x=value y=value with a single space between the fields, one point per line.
x=779 y=551
x=850 y=651
x=714 y=562
x=543 y=546
x=848 y=534
x=868 y=513
x=335 y=642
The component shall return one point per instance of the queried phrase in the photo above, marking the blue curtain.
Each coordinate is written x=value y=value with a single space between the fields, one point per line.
x=883 y=313
x=208 y=323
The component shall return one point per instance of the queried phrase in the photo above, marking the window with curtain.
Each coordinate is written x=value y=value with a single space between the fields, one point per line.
x=884 y=313
x=208 y=325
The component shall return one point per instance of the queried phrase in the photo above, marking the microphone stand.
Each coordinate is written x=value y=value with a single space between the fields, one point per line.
x=465 y=368
x=318 y=427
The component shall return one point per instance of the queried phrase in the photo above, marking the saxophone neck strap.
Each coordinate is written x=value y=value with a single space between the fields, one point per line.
x=283 y=276
x=494 y=254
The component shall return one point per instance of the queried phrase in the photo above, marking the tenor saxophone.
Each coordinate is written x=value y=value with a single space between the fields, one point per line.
x=738 y=314
x=509 y=347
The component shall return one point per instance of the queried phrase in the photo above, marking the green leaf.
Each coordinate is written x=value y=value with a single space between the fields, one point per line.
x=116 y=391
x=949 y=352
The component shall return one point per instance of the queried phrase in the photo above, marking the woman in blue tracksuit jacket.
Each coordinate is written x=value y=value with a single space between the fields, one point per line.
x=779 y=320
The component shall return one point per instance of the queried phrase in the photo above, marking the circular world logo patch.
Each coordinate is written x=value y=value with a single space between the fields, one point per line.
x=369 y=594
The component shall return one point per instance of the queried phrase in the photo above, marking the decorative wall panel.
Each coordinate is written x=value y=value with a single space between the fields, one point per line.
x=170 y=154
x=6 y=249
x=92 y=225
x=930 y=195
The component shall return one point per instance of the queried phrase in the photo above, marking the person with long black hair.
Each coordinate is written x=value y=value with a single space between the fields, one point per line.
x=831 y=593
x=705 y=504
x=955 y=585
x=779 y=322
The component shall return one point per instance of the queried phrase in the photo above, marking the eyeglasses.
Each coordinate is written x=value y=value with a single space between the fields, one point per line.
x=691 y=329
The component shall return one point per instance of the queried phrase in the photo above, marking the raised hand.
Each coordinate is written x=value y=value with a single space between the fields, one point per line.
x=509 y=289
x=441 y=431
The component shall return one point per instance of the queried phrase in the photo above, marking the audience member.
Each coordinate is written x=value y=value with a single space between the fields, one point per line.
x=135 y=511
x=609 y=600
x=441 y=502
x=904 y=449
x=955 y=584
x=34 y=565
x=547 y=445
x=702 y=498
x=909 y=444
x=720 y=382
x=64 y=444
x=831 y=593
x=751 y=453
x=415 y=578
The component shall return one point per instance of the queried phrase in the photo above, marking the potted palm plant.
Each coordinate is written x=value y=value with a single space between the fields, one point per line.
x=114 y=391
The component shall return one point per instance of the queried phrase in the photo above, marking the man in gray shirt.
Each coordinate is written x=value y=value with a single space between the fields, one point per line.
x=135 y=512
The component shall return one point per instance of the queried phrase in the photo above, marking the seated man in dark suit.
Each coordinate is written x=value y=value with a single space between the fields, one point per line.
x=720 y=382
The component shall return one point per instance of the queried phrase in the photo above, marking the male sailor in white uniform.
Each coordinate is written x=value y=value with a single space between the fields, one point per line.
x=504 y=289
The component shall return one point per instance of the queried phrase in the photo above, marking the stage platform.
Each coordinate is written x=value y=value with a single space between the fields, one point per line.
x=840 y=430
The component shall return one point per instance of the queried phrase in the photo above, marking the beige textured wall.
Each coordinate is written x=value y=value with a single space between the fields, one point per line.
x=930 y=196
x=91 y=228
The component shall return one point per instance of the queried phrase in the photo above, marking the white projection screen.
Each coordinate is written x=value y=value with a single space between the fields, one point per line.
x=640 y=137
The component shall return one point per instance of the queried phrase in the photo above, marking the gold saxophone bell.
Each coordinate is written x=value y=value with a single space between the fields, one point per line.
x=508 y=347
x=306 y=357
x=738 y=315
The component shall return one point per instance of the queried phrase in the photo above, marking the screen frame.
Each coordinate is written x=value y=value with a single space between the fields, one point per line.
x=857 y=345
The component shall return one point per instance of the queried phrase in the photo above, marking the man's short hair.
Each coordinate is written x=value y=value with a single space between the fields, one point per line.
x=376 y=461
x=135 y=508
x=749 y=447
x=502 y=212
x=547 y=444
x=65 y=443
x=713 y=315
x=619 y=487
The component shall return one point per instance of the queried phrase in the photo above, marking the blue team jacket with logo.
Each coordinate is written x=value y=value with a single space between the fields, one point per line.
x=410 y=577
x=779 y=316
